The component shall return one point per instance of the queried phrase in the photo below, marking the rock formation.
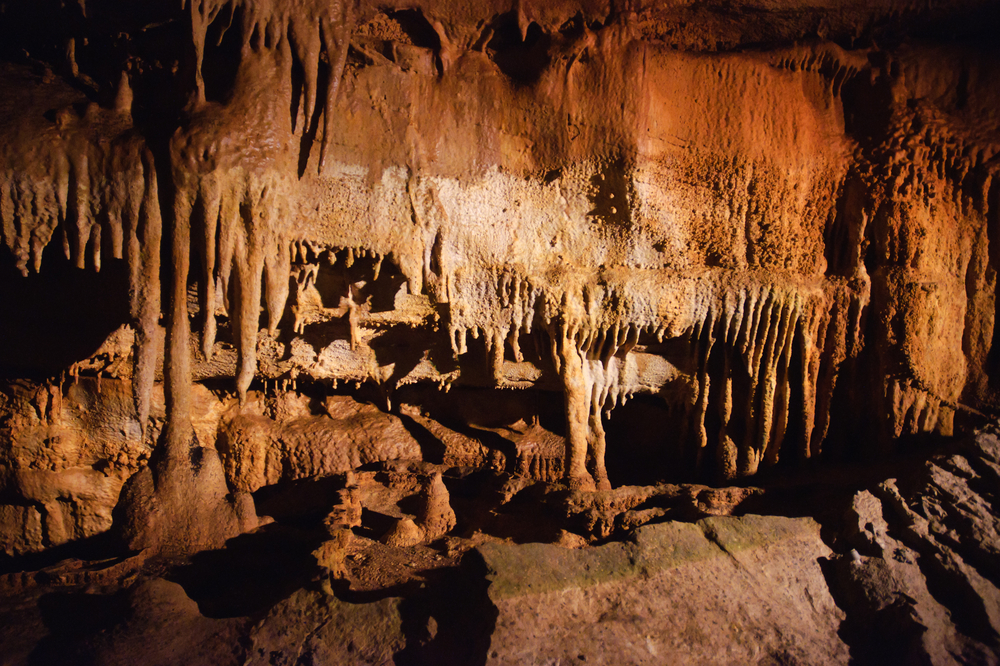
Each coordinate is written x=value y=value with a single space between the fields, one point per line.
x=417 y=267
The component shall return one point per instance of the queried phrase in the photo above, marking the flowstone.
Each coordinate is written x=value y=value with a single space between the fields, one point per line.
x=499 y=331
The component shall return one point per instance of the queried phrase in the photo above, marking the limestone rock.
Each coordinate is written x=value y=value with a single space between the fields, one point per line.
x=436 y=517
x=183 y=506
x=913 y=537
x=258 y=451
x=20 y=529
x=164 y=627
x=152 y=622
x=326 y=630
x=403 y=533
x=69 y=450
x=679 y=593
x=345 y=515
x=253 y=246
x=346 y=512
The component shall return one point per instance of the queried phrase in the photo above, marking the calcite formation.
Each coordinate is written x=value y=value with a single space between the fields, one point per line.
x=782 y=230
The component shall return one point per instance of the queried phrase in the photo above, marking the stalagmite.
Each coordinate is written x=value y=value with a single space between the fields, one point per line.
x=570 y=364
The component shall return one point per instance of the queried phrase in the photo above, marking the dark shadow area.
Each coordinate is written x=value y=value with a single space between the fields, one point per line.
x=823 y=489
x=402 y=347
x=52 y=319
x=223 y=46
x=343 y=591
x=993 y=246
x=298 y=98
x=868 y=104
x=473 y=496
x=876 y=636
x=374 y=524
x=101 y=547
x=308 y=138
x=106 y=36
x=379 y=292
x=431 y=448
x=529 y=517
x=252 y=573
x=855 y=424
x=521 y=60
x=302 y=503
x=466 y=491
x=952 y=590
x=73 y=620
x=487 y=408
x=638 y=440
x=321 y=334
x=451 y=621
x=844 y=236
x=416 y=27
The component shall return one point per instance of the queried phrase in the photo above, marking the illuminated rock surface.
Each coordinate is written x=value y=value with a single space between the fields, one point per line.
x=397 y=291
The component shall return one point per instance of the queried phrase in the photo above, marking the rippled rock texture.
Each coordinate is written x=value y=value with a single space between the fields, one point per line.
x=252 y=247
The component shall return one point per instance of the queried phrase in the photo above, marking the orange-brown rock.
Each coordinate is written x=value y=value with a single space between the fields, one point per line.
x=424 y=273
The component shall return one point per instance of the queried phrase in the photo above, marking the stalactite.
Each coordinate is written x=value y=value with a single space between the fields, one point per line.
x=211 y=201
x=577 y=396
x=177 y=362
x=751 y=334
x=242 y=193
x=589 y=366
x=353 y=319
x=745 y=347
x=318 y=31
x=703 y=339
x=144 y=237
x=245 y=252
x=495 y=340
x=336 y=40
x=90 y=169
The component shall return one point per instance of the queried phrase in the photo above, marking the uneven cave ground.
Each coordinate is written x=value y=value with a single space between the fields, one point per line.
x=890 y=559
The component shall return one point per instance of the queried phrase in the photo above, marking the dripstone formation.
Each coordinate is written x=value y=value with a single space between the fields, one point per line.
x=428 y=318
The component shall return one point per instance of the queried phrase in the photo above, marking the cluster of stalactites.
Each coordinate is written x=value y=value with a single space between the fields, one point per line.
x=501 y=303
x=745 y=351
x=102 y=196
x=238 y=220
x=308 y=307
x=833 y=63
x=762 y=351
x=498 y=304
x=233 y=212
x=314 y=30
x=590 y=360
x=70 y=175
x=925 y=157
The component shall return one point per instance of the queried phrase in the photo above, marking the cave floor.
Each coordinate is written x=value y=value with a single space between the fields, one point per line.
x=796 y=569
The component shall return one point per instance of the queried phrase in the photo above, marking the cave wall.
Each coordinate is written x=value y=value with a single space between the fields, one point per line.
x=778 y=221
